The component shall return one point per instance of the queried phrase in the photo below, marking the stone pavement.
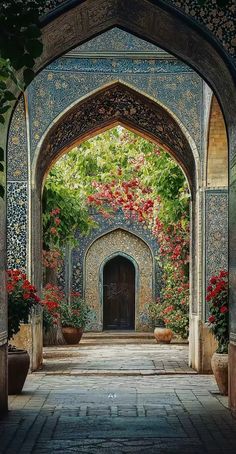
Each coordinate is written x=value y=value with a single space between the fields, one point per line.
x=101 y=356
x=83 y=413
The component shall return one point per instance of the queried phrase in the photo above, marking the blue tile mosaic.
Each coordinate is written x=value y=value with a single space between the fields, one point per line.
x=53 y=91
x=17 y=223
x=17 y=166
x=216 y=232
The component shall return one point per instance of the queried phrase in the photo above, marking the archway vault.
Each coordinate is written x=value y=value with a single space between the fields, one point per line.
x=114 y=104
x=157 y=22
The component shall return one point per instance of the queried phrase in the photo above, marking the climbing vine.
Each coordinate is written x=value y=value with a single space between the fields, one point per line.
x=120 y=170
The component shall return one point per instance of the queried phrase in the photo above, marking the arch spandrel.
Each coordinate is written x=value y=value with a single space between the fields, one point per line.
x=116 y=104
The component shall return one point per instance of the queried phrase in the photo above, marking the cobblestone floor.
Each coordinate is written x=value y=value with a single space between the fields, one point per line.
x=75 y=413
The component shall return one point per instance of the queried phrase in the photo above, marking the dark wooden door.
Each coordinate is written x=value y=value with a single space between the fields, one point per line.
x=118 y=294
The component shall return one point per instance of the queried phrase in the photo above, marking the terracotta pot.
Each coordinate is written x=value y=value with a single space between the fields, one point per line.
x=219 y=364
x=72 y=335
x=163 y=335
x=18 y=366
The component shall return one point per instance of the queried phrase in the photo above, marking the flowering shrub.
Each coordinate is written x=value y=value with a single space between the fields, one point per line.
x=74 y=313
x=58 y=310
x=52 y=259
x=21 y=298
x=52 y=298
x=217 y=298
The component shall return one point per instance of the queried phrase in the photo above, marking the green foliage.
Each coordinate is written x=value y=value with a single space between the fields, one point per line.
x=20 y=45
x=74 y=313
x=72 y=214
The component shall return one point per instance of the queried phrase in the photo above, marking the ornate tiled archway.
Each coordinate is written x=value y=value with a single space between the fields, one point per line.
x=157 y=23
x=109 y=106
x=115 y=104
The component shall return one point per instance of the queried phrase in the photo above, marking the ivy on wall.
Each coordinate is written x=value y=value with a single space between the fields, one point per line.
x=20 y=45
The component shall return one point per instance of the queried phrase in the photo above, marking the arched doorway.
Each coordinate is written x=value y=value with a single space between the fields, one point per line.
x=118 y=294
x=156 y=23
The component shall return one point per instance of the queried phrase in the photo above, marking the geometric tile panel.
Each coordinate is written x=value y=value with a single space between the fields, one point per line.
x=17 y=194
x=216 y=229
x=68 y=79
x=17 y=145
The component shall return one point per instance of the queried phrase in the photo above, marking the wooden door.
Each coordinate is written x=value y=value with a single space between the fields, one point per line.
x=118 y=294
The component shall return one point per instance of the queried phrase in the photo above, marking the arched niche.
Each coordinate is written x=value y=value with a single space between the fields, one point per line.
x=123 y=243
x=217 y=150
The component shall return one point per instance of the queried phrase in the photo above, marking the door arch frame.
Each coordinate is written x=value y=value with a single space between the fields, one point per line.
x=136 y=280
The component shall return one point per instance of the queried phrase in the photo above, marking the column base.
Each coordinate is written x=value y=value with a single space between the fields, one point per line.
x=232 y=378
x=3 y=380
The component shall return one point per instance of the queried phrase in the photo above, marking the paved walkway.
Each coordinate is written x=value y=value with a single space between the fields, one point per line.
x=104 y=357
x=109 y=413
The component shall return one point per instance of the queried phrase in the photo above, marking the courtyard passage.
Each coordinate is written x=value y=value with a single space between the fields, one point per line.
x=118 y=396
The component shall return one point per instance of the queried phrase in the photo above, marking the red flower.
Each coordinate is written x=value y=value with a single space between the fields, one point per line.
x=53 y=230
x=10 y=287
x=211 y=319
x=26 y=296
x=57 y=221
x=223 y=309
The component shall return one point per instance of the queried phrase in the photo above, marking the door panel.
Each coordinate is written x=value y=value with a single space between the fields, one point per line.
x=119 y=294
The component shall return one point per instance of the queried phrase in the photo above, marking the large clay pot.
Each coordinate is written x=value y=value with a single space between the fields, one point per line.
x=219 y=364
x=18 y=366
x=163 y=335
x=72 y=335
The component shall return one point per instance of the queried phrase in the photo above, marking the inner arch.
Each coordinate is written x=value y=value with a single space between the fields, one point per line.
x=116 y=104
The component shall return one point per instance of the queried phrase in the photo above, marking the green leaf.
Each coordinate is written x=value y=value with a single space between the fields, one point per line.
x=2 y=85
x=9 y=96
x=28 y=75
x=1 y=154
x=34 y=47
x=28 y=61
x=4 y=109
x=32 y=31
x=2 y=191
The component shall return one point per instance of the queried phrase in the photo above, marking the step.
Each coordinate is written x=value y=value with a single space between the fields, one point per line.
x=118 y=335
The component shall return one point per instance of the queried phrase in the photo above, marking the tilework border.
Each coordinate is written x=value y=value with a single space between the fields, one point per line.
x=17 y=224
x=216 y=232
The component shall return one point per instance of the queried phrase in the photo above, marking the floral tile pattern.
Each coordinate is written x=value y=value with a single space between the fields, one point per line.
x=216 y=232
x=17 y=169
x=17 y=223
x=218 y=21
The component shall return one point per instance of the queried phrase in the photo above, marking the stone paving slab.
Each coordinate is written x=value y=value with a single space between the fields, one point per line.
x=181 y=413
x=113 y=359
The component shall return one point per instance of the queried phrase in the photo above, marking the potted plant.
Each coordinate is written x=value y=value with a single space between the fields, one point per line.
x=21 y=299
x=162 y=333
x=217 y=299
x=74 y=316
